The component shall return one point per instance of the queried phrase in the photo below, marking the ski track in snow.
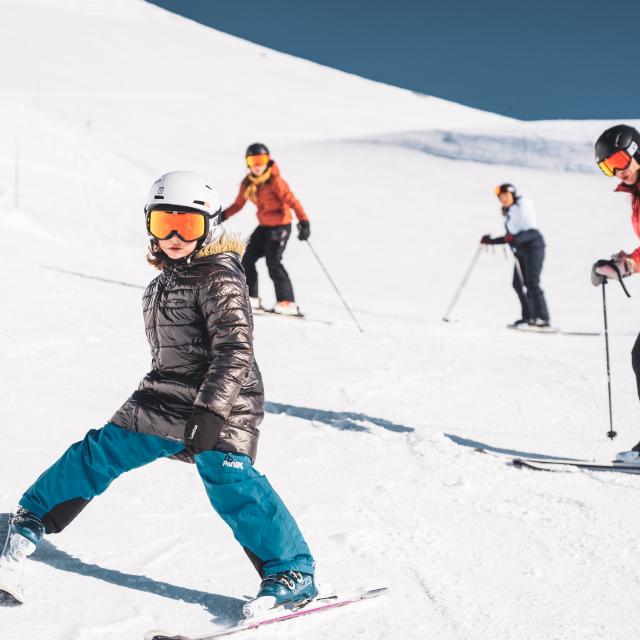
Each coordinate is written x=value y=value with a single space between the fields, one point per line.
x=358 y=429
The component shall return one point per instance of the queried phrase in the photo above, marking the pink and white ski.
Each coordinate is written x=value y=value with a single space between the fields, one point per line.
x=280 y=614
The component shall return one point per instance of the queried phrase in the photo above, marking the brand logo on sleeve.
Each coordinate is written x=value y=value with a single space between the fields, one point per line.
x=234 y=464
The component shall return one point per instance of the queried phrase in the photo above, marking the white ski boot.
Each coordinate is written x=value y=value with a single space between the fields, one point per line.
x=24 y=533
x=628 y=456
x=286 y=308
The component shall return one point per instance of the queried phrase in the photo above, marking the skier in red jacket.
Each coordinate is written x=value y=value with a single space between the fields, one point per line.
x=618 y=154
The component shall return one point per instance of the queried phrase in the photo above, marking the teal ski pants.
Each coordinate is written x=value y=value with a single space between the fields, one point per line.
x=242 y=496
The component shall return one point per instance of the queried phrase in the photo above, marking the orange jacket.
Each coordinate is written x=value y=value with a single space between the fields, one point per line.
x=274 y=201
x=634 y=190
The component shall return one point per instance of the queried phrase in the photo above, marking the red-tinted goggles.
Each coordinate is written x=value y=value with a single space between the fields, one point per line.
x=258 y=160
x=618 y=161
x=187 y=225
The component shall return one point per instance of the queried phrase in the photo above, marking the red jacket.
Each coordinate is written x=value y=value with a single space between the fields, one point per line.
x=634 y=190
x=274 y=201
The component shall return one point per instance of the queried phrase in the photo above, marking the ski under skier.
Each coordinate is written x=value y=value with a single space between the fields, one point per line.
x=202 y=402
x=264 y=186
x=528 y=246
x=618 y=155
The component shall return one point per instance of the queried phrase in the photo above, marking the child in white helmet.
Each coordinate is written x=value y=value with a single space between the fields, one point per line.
x=202 y=402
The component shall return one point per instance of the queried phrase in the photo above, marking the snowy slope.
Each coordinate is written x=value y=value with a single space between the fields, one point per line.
x=110 y=93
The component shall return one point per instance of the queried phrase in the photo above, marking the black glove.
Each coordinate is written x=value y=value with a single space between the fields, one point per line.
x=203 y=431
x=304 y=230
x=487 y=239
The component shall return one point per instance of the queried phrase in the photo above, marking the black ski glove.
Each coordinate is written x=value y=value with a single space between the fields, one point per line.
x=304 y=230
x=203 y=431
x=487 y=239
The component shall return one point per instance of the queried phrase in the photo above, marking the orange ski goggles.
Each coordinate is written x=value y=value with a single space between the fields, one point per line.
x=187 y=225
x=619 y=160
x=258 y=160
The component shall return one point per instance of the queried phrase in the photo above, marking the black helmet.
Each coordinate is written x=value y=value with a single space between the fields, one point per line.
x=506 y=187
x=622 y=137
x=256 y=149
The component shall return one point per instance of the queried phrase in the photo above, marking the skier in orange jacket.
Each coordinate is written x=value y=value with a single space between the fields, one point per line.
x=264 y=186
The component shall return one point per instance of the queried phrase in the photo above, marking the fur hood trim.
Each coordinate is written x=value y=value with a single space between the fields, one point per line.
x=227 y=243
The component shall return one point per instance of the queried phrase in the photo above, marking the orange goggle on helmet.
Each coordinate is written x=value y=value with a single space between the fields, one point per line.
x=619 y=160
x=258 y=160
x=187 y=225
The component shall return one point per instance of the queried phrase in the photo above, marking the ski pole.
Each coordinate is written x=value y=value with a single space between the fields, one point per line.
x=612 y=434
x=520 y=276
x=445 y=318
x=519 y=273
x=333 y=284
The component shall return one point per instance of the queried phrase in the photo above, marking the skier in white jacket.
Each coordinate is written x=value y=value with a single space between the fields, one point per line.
x=528 y=246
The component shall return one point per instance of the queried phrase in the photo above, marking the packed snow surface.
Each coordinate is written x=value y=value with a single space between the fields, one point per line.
x=369 y=436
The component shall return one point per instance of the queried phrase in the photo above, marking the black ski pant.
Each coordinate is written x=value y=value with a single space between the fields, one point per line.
x=530 y=257
x=268 y=243
x=635 y=362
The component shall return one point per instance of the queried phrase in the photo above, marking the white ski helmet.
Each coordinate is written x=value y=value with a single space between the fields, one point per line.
x=184 y=189
x=187 y=190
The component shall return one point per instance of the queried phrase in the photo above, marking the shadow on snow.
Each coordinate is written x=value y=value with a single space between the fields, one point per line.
x=475 y=444
x=225 y=609
x=344 y=420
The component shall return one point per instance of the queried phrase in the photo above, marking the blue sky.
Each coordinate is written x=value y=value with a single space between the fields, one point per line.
x=530 y=60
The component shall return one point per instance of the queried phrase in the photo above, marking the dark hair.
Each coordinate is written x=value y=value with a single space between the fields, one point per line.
x=155 y=256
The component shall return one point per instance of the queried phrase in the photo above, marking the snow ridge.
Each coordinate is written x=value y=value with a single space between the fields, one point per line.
x=534 y=152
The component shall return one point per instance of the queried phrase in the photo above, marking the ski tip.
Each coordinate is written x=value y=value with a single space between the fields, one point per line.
x=374 y=593
x=272 y=313
x=161 y=635
x=541 y=465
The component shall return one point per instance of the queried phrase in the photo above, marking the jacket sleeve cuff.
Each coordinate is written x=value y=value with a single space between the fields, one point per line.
x=634 y=259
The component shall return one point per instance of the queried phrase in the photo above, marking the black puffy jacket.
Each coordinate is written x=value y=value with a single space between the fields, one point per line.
x=200 y=329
